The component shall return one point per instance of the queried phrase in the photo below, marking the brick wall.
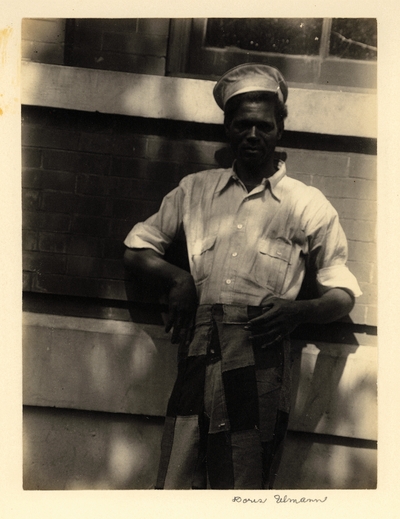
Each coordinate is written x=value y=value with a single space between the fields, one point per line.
x=87 y=178
x=128 y=45
x=43 y=40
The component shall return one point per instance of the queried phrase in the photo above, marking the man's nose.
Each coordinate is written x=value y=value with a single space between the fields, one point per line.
x=253 y=132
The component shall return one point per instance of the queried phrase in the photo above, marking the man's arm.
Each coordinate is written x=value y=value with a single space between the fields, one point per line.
x=182 y=296
x=282 y=317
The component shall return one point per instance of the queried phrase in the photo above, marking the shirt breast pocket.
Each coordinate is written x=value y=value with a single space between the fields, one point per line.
x=202 y=258
x=272 y=264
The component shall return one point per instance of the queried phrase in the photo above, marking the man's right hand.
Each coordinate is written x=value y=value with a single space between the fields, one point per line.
x=182 y=305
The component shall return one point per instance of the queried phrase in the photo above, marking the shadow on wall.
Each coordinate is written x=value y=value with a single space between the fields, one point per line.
x=78 y=450
x=333 y=422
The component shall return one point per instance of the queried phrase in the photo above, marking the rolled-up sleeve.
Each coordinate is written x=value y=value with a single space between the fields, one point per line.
x=328 y=247
x=158 y=231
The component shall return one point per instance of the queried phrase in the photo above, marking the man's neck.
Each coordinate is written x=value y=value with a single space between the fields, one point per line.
x=253 y=176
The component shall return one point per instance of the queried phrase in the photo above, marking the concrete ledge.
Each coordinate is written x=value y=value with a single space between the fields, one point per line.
x=120 y=367
x=331 y=112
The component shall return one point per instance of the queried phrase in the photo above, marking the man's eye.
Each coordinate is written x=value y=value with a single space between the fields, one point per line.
x=241 y=127
x=265 y=128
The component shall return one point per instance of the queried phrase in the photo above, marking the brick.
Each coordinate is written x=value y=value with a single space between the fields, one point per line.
x=363 y=166
x=130 y=145
x=369 y=293
x=29 y=240
x=374 y=278
x=165 y=171
x=302 y=177
x=58 y=202
x=114 y=249
x=362 y=251
x=31 y=177
x=30 y=199
x=359 y=189
x=59 y=181
x=87 y=37
x=187 y=169
x=53 y=242
x=90 y=122
x=51 y=284
x=372 y=315
x=113 y=269
x=359 y=314
x=43 y=262
x=52 y=53
x=318 y=163
x=136 y=44
x=31 y=157
x=150 y=65
x=121 y=228
x=112 y=289
x=49 y=138
x=92 y=185
x=93 y=206
x=58 y=160
x=87 y=287
x=34 y=115
x=136 y=210
x=107 y=24
x=129 y=167
x=362 y=270
x=86 y=246
x=93 y=164
x=359 y=230
x=355 y=209
x=90 y=225
x=153 y=26
x=84 y=266
x=44 y=30
x=182 y=151
x=96 y=143
x=139 y=189
x=45 y=221
x=27 y=281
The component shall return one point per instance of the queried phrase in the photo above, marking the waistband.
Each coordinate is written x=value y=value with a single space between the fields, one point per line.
x=232 y=314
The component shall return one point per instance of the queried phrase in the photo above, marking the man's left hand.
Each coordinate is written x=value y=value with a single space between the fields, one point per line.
x=280 y=317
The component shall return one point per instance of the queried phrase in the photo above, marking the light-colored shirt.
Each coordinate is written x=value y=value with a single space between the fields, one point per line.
x=246 y=247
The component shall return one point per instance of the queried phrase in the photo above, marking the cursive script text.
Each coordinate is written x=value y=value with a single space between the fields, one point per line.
x=287 y=499
x=238 y=499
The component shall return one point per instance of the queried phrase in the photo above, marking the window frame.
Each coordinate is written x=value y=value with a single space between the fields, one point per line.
x=188 y=57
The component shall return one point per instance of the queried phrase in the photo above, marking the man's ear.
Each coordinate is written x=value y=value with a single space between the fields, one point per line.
x=226 y=128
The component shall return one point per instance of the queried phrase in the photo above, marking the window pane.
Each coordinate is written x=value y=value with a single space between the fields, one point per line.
x=354 y=38
x=278 y=35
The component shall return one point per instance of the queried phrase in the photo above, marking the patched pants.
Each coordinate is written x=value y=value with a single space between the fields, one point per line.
x=228 y=412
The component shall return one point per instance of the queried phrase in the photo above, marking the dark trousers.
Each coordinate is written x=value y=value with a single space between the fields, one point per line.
x=228 y=413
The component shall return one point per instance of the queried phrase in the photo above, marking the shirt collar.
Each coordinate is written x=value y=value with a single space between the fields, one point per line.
x=273 y=181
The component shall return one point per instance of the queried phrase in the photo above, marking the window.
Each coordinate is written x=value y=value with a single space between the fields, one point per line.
x=323 y=51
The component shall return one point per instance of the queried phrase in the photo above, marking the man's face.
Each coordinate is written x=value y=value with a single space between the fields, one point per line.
x=254 y=132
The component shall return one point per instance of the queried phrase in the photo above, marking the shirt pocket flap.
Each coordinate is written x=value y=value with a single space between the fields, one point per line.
x=277 y=248
x=201 y=246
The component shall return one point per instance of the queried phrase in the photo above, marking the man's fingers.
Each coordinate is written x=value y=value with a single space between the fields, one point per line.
x=171 y=319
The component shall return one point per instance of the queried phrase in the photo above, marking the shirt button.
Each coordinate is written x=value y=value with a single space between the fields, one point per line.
x=234 y=254
x=228 y=281
x=239 y=226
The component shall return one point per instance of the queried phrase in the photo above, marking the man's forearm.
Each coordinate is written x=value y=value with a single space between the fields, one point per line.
x=157 y=271
x=332 y=305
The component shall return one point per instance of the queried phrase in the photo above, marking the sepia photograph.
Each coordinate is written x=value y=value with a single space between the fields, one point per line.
x=199 y=229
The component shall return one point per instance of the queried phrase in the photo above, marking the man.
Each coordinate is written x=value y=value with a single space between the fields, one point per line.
x=251 y=233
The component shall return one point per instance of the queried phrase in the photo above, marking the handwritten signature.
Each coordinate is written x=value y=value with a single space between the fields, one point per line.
x=279 y=500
